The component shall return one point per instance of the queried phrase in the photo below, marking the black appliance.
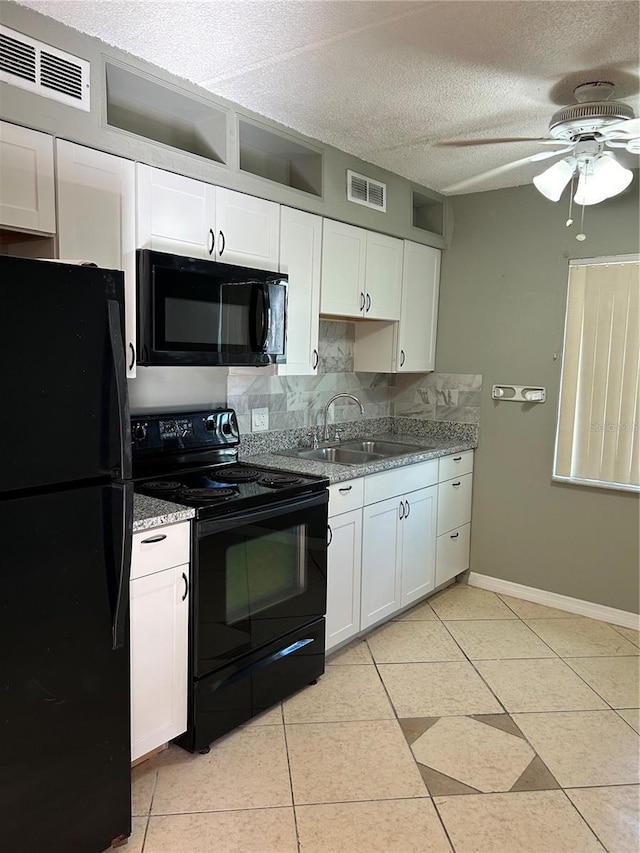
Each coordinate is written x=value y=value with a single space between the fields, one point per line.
x=66 y=521
x=199 y=312
x=259 y=567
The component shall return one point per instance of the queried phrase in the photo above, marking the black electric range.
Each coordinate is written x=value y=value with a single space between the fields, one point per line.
x=258 y=567
x=191 y=459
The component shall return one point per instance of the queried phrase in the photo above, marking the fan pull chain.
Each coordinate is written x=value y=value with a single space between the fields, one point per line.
x=581 y=236
x=569 y=221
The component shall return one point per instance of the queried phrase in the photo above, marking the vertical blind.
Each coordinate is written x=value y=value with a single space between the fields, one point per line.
x=598 y=435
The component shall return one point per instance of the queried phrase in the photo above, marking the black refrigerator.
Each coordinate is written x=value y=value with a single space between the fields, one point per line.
x=66 y=505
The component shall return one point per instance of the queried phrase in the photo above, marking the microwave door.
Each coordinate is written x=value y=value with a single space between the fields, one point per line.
x=260 y=314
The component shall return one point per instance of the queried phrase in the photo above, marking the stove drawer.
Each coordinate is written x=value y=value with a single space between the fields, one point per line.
x=160 y=548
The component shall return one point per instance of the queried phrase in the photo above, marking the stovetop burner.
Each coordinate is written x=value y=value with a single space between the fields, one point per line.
x=207 y=494
x=279 y=481
x=162 y=485
x=236 y=475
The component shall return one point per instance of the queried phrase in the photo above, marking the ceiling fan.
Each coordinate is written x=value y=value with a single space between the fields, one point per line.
x=583 y=131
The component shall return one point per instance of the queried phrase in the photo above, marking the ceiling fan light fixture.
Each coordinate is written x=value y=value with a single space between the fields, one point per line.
x=552 y=181
x=600 y=179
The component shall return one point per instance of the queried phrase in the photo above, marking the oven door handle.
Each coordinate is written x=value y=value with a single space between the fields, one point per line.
x=253 y=516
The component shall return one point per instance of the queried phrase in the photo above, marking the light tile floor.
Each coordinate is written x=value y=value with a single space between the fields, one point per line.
x=473 y=723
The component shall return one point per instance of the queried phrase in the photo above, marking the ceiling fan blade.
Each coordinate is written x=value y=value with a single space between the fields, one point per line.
x=622 y=129
x=543 y=155
x=543 y=140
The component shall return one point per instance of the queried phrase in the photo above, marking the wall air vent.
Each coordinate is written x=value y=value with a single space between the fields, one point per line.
x=45 y=70
x=363 y=190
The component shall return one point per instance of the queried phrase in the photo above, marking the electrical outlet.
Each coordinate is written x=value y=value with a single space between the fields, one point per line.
x=259 y=420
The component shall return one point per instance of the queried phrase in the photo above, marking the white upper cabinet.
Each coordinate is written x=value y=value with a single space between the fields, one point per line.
x=344 y=253
x=383 y=277
x=361 y=272
x=96 y=219
x=300 y=255
x=416 y=345
x=27 y=200
x=410 y=345
x=248 y=230
x=175 y=214
x=186 y=217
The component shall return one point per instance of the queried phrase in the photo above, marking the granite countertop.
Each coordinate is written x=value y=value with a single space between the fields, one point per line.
x=152 y=512
x=434 y=448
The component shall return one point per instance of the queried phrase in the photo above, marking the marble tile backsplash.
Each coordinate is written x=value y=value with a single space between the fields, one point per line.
x=297 y=402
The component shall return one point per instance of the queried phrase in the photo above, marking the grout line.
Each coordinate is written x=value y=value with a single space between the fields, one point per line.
x=293 y=803
x=583 y=818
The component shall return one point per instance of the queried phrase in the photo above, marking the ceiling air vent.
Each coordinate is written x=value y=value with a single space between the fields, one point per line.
x=362 y=190
x=45 y=70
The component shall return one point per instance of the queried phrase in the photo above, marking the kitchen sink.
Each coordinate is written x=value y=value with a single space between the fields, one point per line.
x=382 y=448
x=342 y=455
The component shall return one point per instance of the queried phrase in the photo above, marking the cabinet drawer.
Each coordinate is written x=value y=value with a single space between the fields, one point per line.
x=160 y=548
x=345 y=496
x=456 y=465
x=454 y=503
x=399 y=481
x=452 y=553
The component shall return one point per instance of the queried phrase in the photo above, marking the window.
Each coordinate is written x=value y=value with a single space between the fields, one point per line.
x=598 y=434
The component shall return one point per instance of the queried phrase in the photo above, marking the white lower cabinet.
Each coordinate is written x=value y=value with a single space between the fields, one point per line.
x=454 y=515
x=159 y=618
x=344 y=561
x=394 y=537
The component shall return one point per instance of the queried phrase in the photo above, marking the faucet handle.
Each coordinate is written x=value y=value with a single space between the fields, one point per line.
x=313 y=438
x=337 y=435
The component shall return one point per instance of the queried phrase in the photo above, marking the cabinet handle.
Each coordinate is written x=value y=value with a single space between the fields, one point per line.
x=316 y=359
x=455 y=485
x=361 y=301
x=186 y=586
x=330 y=532
x=133 y=356
x=212 y=241
x=157 y=538
x=454 y=536
x=402 y=358
x=368 y=303
x=345 y=489
x=223 y=243
x=401 y=510
x=457 y=458
x=408 y=509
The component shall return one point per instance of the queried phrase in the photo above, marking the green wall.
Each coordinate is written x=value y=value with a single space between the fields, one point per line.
x=502 y=300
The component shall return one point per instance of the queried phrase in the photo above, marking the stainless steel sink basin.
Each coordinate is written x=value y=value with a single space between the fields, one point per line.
x=381 y=448
x=341 y=455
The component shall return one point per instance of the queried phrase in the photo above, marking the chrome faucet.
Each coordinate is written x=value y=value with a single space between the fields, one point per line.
x=325 y=431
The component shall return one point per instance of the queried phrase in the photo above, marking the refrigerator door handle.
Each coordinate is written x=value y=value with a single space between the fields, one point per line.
x=121 y=610
x=120 y=374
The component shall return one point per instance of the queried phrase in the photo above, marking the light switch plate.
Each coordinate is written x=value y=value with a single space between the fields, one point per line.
x=259 y=420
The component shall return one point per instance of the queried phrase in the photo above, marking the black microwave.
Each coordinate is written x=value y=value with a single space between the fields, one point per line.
x=197 y=312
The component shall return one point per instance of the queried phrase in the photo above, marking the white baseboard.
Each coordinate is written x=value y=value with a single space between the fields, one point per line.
x=554 y=599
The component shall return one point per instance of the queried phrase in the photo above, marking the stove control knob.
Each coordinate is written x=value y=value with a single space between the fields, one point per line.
x=210 y=423
x=139 y=431
x=226 y=428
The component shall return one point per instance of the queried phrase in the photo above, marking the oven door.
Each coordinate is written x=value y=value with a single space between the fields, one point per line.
x=260 y=575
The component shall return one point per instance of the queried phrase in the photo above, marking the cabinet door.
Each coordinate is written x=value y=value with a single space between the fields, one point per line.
x=381 y=552
x=418 y=560
x=344 y=252
x=96 y=219
x=175 y=214
x=159 y=625
x=27 y=199
x=343 y=577
x=300 y=254
x=248 y=230
x=383 y=277
x=416 y=343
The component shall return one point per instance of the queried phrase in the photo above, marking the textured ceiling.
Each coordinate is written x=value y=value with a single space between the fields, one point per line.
x=387 y=81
